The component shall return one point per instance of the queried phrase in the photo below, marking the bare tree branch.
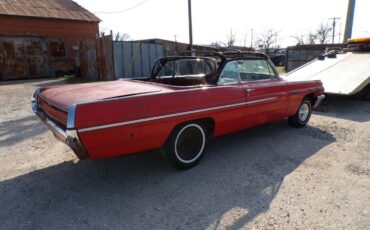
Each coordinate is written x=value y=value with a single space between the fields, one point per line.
x=121 y=37
x=231 y=38
x=300 y=38
x=243 y=42
x=323 y=33
x=217 y=44
x=311 y=38
x=268 y=38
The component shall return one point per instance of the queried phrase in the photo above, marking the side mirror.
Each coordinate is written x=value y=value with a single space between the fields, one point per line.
x=321 y=57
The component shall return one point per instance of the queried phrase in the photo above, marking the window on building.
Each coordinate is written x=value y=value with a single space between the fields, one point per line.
x=57 y=49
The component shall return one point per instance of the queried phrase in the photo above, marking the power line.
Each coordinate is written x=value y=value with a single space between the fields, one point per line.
x=124 y=10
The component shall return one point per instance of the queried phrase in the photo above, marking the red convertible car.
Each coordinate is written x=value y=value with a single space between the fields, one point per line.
x=185 y=102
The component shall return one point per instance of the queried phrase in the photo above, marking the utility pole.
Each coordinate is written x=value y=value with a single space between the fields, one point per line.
x=252 y=39
x=334 y=25
x=176 y=47
x=190 y=26
x=276 y=41
x=349 y=21
x=245 y=39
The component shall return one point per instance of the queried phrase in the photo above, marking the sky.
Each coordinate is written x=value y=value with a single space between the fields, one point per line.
x=212 y=20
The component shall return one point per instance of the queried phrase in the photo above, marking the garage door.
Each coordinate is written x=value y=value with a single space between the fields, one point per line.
x=23 y=57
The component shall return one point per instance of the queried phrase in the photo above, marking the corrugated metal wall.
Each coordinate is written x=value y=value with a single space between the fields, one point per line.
x=297 y=56
x=135 y=59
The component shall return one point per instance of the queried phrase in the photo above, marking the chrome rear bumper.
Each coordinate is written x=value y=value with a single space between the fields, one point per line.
x=68 y=137
x=319 y=99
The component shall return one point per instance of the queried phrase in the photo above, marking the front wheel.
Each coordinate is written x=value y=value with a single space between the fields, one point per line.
x=186 y=145
x=303 y=114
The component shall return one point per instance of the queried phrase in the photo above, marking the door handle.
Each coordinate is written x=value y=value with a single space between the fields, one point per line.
x=250 y=90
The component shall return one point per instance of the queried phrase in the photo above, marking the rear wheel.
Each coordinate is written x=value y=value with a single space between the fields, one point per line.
x=303 y=114
x=186 y=145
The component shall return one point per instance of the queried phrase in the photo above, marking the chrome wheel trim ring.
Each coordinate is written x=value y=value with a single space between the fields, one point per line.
x=304 y=112
x=201 y=149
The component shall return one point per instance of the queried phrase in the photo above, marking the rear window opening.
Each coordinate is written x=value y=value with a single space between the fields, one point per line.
x=189 y=71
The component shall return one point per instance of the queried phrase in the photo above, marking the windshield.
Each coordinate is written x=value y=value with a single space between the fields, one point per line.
x=185 y=68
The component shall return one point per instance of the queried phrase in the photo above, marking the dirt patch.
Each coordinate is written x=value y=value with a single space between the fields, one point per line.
x=358 y=170
x=327 y=130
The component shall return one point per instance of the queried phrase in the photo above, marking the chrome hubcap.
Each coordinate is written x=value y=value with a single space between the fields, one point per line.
x=304 y=112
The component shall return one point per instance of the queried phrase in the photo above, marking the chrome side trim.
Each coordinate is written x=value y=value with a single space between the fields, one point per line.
x=36 y=94
x=71 y=117
x=319 y=100
x=175 y=115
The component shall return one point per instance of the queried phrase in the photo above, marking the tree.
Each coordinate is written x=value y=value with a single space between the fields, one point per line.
x=216 y=44
x=323 y=33
x=244 y=40
x=268 y=38
x=121 y=37
x=320 y=35
x=231 y=38
x=311 y=38
x=300 y=38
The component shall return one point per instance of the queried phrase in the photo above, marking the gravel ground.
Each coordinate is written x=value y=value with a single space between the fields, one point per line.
x=269 y=177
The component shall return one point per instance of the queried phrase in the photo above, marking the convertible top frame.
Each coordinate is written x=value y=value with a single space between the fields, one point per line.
x=224 y=57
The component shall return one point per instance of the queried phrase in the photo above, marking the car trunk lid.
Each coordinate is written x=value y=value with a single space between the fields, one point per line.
x=62 y=97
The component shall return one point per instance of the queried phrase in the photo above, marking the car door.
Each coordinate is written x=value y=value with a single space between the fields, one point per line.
x=232 y=94
x=265 y=91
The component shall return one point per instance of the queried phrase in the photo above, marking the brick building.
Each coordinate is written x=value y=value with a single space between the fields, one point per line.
x=40 y=38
